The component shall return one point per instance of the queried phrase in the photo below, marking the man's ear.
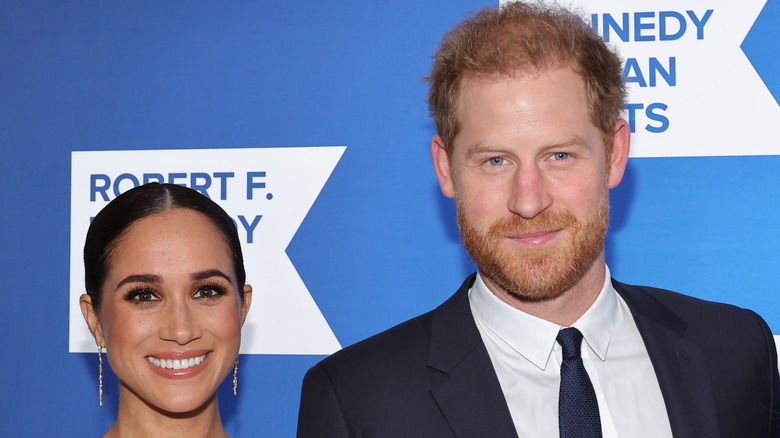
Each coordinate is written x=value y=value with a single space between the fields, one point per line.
x=93 y=321
x=247 y=302
x=621 y=142
x=442 y=166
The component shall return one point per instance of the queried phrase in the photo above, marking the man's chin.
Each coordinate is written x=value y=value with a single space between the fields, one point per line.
x=530 y=285
x=527 y=273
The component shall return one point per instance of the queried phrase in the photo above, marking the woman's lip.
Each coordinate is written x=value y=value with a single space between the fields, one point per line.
x=173 y=371
x=536 y=238
x=179 y=354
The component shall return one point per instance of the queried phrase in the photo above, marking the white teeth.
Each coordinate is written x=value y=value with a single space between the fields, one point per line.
x=176 y=364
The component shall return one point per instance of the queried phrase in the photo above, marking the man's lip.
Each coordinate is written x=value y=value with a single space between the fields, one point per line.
x=535 y=238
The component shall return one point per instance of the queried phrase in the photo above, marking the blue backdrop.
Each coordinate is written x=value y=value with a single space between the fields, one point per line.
x=378 y=246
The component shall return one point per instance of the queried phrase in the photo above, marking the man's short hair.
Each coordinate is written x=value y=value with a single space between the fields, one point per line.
x=518 y=39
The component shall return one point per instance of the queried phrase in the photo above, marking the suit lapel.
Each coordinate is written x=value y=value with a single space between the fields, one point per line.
x=473 y=404
x=679 y=365
x=470 y=398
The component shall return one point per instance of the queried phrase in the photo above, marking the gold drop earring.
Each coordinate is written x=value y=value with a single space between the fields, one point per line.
x=235 y=377
x=100 y=375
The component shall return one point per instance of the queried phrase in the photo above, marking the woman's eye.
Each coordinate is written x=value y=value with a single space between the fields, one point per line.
x=208 y=292
x=496 y=161
x=143 y=296
x=560 y=156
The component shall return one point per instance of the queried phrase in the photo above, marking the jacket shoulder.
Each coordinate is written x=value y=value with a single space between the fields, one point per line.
x=407 y=339
x=698 y=318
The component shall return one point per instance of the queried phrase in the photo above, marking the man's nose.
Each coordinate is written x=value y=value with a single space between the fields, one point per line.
x=530 y=192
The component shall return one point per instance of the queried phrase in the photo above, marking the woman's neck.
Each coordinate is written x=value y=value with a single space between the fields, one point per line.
x=137 y=418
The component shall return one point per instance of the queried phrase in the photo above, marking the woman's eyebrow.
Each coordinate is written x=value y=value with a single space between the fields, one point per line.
x=202 y=275
x=141 y=278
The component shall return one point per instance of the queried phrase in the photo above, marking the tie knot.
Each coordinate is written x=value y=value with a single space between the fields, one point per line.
x=570 y=339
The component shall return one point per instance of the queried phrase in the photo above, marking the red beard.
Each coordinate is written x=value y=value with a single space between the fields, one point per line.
x=536 y=274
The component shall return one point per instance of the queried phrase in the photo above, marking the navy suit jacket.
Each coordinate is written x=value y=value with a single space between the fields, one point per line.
x=432 y=377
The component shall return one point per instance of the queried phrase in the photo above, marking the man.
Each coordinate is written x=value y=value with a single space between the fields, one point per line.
x=526 y=100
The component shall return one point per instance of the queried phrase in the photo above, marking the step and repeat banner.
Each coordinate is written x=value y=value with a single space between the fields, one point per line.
x=306 y=121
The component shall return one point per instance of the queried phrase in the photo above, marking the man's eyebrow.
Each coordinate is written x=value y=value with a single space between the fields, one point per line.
x=140 y=278
x=202 y=275
x=568 y=141
x=482 y=147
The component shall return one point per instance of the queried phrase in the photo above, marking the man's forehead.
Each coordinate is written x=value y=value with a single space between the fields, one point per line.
x=552 y=103
x=476 y=84
x=561 y=83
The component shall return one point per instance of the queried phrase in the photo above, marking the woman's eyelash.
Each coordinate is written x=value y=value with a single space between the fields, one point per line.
x=216 y=288
x=142 y=294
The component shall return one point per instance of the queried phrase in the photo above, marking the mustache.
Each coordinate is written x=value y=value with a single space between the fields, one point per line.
x=544 y=221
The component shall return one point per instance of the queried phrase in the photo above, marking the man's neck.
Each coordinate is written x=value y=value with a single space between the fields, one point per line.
x=566 y=308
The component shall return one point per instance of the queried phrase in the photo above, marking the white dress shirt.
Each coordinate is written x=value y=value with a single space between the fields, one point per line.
x=527 y=360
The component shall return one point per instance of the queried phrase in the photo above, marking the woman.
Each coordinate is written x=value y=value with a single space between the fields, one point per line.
x=166 y=298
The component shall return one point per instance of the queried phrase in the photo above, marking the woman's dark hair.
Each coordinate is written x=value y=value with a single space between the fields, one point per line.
x=114 y=219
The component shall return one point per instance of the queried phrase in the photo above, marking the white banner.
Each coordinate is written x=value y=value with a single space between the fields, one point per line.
x=267 y=192
x=692 y=90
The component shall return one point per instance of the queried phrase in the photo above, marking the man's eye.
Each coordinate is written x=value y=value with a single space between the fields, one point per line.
x=560 y=156
x=496 y=161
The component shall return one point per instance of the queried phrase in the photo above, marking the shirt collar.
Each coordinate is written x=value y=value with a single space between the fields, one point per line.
x=598 y=322
x=533 y=337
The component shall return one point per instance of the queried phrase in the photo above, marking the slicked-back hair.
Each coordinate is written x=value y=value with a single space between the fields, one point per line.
x=113 y=221
x=518 y=39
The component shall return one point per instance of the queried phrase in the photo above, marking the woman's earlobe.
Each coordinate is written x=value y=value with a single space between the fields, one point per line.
x=247 y=302
x=93 y=321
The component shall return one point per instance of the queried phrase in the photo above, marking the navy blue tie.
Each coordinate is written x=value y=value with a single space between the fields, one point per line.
x=578 y=409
